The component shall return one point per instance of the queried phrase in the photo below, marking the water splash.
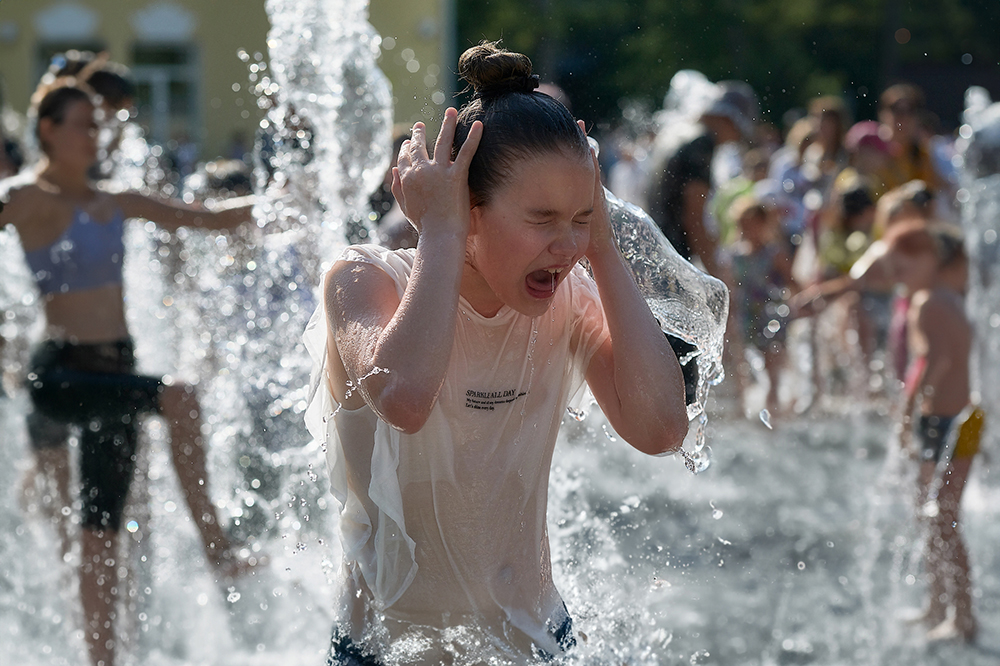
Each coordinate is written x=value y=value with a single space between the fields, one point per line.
x=688 y=303
x=979 y=147
x=765 y=418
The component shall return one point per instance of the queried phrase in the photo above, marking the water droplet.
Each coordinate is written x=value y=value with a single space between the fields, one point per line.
x=802 y=566
x=234 y=596
x=577 y=414
x=698 y=461
x=699 y=656
x=716 y=513
x=132 y=526
x=765 y=418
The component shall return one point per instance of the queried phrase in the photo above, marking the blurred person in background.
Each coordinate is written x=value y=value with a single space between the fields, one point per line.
x=868 y=157
x=899 y=110
x=763 y=282
x=938 y=408
x=82 y=376
x=825 y=157
x=755 y=167
x=681 y=173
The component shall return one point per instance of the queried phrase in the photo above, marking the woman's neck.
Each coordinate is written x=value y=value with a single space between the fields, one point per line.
x=70 y=182
x=477 y=292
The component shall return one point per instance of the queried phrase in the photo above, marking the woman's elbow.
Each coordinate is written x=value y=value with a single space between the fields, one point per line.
x=666 y=438
x=406 y=411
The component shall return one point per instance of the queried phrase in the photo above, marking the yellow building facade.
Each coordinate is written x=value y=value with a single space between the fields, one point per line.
x=183 y=57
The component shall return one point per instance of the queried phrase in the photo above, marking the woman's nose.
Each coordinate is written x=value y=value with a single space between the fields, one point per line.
x=566 y=242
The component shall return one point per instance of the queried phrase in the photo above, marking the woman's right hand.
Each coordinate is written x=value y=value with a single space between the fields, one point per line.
x=434 y=192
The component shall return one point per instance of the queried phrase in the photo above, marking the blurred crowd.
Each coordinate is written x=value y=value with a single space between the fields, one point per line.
x=786 y=217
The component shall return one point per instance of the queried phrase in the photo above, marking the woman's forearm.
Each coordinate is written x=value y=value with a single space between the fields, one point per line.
x=648 y=382
x=415 y=347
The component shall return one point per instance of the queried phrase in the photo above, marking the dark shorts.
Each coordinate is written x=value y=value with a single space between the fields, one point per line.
x=682 y=348
x=345 y=652
x=933 y=434
x=94 y=390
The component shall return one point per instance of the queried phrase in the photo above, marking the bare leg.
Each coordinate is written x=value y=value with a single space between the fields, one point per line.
x=180 y=408
x=99 y=592
x=946 y=538
x=937 y=608
x=53 y=469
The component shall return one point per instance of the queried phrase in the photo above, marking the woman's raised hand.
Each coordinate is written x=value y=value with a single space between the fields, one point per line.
x=433 y=192
x=602 y=238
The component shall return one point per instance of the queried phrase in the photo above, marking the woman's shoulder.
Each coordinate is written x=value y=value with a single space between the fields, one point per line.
x=377 y=254
x=358 y=259
x=26 y=202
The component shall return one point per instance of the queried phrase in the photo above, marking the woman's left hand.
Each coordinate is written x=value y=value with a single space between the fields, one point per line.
x=602 y=237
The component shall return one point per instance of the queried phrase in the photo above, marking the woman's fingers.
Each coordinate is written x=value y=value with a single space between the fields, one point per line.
x=418 y=141
x=598 y=183
x=397 y=186
x=442 y=147
x=403 y=158
x=468 y=149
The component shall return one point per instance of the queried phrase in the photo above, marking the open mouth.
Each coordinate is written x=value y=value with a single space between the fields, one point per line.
x=542 y=283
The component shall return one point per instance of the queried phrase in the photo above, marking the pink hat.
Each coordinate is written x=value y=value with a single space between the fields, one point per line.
x=865 y=133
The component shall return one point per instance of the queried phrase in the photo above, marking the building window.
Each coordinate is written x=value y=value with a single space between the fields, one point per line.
x=166 y=78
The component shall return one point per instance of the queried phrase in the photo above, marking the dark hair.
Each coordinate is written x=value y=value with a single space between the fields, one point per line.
x=108 y=79
x=517 y=121
x=856 y=200
x=906 y=95
x=939 y=238
x=51 y=101
x=114 y=89
x=950 y=242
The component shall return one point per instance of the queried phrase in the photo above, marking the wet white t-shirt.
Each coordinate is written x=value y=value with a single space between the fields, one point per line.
x=449 y=522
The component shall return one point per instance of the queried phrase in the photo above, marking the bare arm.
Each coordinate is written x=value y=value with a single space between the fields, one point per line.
x=409 y=337
x=634 y=376
x=917 y=374
x=172 y=214
x=693 y=218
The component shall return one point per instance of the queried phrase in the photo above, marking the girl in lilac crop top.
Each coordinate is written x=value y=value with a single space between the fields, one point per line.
x=87 y=255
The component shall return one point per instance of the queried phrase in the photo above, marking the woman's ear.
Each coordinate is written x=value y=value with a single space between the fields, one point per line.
x=475 y=219
x=45 y=128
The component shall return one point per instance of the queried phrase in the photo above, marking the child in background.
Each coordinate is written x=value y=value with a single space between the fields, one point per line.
x=868 y=155
x=928 y=259
x=448 y=368
x=762 y=275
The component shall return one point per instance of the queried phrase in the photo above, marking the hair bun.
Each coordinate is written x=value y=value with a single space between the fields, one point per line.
x=492 y=70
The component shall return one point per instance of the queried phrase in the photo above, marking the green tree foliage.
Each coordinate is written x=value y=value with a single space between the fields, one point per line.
x=601 y=51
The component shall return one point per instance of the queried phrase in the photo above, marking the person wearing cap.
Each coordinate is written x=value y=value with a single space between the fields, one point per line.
x=868 y=155
x=681 y=175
